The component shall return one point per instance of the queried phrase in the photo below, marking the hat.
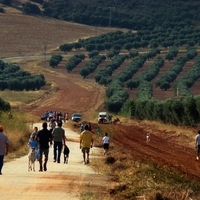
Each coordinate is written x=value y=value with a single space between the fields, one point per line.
x=1 y=128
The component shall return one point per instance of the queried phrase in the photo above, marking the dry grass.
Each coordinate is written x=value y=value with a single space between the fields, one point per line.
x=27 y=35
x=130 y=178
x=16 y=127
x=18 y=98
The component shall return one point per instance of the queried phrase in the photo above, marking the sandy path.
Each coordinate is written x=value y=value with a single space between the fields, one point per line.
x=61 y=181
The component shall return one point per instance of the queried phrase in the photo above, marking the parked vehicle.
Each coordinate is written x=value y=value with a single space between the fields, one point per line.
x=48 y=115
x=104 y=117
x=76 y=117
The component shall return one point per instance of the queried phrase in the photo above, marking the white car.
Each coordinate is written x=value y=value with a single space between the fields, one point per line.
x=104 y=117
x=76 y=117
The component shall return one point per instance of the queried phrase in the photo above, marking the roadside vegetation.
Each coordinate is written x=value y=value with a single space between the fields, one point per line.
x=17 y=126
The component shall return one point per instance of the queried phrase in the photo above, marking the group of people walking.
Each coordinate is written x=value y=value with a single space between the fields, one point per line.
x=44 y=138
x=53 y=135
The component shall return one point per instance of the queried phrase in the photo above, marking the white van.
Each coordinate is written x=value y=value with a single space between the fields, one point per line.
x=104 y=117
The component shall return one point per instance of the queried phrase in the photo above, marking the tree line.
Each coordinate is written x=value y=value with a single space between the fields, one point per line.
x=137 y=15
x=170 y=39
x=14 y=78
x=183 y=111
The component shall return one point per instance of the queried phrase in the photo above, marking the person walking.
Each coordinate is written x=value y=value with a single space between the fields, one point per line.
x=4 y=146
x=106 y=141
x=58 y=141
x=197 y=144
x=86 y=142
x=82 y=127
x=66 y=117
x=34 y=137
x=34 y=133
x=89 y=127
x=52 y=124
x=44 y=137
x=33 y=144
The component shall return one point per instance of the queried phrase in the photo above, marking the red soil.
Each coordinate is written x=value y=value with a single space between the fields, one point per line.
x=168 y=149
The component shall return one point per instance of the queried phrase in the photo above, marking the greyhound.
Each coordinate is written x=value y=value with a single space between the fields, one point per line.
x=31 y=160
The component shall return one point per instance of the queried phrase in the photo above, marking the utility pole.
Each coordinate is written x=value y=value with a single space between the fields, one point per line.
x=110 y=16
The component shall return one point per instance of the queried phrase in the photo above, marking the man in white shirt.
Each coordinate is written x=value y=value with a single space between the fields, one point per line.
x=3 y=147
x=197 y=144
x=106 y=141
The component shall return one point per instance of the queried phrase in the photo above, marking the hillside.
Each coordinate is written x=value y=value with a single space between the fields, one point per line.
x=27 y=35
x=170 y=149
x=134 y=14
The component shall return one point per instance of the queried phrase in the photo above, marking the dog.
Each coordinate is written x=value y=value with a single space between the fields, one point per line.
x=66 y=153
x=148 y=137
x=31 y=159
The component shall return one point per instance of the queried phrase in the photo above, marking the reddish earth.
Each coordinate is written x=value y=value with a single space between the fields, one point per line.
x=169 y=149
x=162 y=149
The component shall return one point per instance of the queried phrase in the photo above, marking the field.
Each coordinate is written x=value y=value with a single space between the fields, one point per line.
x=29 y=35
x=170 y=147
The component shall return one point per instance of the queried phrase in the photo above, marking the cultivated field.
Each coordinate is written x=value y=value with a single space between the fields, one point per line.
x=27 y=35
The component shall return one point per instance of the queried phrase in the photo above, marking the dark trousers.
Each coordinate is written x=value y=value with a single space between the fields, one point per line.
x=1 y=162
x=57 y=150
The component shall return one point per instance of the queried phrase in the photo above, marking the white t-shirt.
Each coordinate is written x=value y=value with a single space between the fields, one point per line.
x=198 y=139
x=3 y=141
x=106 y=140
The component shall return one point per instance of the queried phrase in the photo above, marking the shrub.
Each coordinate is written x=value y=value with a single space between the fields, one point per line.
x=29 y=8
x=110 y=160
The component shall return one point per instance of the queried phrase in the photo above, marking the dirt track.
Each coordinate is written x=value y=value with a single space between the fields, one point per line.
x=74 y=95
x=60 y=181
x=167 y=149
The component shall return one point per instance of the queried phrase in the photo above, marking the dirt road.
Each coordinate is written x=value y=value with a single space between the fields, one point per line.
x=60 y=181
x=172 y=149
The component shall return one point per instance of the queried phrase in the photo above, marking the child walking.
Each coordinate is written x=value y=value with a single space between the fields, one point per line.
x=106 y=141
x=33 y=144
